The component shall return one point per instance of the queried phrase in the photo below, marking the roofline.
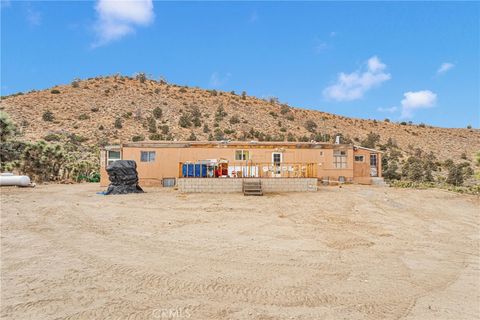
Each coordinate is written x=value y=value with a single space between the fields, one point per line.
x=368 y=149
x=187 y=144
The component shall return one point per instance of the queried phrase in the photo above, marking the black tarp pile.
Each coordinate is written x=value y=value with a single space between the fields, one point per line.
x=123 y=177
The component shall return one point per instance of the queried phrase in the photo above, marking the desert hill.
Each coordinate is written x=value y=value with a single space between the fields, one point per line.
x=115 y=109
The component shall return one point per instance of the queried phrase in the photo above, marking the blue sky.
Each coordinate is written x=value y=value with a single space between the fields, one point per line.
x=410 y=61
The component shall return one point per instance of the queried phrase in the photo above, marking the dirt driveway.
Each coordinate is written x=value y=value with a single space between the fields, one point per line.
x=339 y=253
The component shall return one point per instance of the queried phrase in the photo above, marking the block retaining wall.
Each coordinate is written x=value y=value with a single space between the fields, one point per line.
x=229 y=185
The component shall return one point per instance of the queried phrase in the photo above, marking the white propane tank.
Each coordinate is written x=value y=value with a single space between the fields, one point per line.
x=11 y=180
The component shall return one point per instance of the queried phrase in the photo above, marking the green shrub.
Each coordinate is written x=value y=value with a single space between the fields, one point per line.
x=234 y=119
x=244 y=95
x=48 y=116
x=206 y=129
x=290 y=117
x=118 y=123
x=371 y=140
x=55 y=91
x=192 y=137
x=138 y=138
x=152 y=125
x=284 y=109
x=83 y=116
x=157 y=113
x=52 y=137
x=185 y=121
x=273 y=114
x=76 y=83
x=155 y=136
x=311 y=126
x=220 y=113
x=165 y=129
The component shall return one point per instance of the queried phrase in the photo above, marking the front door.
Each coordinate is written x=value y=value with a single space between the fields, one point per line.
x=277 y=162
x=373 y=165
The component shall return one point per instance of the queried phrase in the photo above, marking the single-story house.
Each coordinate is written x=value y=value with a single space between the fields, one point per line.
x=163 y=163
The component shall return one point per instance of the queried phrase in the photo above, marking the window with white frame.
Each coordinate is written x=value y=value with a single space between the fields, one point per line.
x=340 y=159
x=113 y=156
x=359 y=158
x=147 y=156
x=241 y=155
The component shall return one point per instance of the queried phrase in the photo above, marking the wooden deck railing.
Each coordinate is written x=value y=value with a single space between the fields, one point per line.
x=249 y=169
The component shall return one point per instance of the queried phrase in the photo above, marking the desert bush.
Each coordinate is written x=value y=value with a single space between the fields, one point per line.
x=76 y=83
x=192 y=137
x=220 y=114
x=118 y=123
x=311 y=126
x=234 y=119
x=182 y=90
x=138 y=138
x=52 y=137
x=229 y=131
x=185 y=121
x=244 y=95
x=157 y=113
x=141 y=77
x=7 y=127
x=290 y=117
x=100 y=127
x=152 y=125
x=273 y=114
x=83 y=116
x=94 y=109
x=206 y=129
x=55 y=91
x=284 y=109
x=48 y=116
x=155 y=136
x=165 y=129
x=291 y=137
x=371 y=140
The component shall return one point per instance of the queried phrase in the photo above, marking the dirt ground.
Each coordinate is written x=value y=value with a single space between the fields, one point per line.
x=340 y=253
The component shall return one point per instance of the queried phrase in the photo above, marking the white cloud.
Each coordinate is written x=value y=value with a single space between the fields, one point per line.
x=217 y=80
x=353 y=86
x=34 y=17
x=118 y=18
x=417 y=100
x=333 y=34
x=388 y=110
x=444 y=67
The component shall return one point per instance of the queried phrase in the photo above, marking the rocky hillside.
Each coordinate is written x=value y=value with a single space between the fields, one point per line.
x=115 y=109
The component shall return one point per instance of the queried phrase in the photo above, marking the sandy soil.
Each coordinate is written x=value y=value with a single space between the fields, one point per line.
x=341 y=253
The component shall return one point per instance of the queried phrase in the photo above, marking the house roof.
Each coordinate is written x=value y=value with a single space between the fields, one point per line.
x=368 y=149
x=249 y=144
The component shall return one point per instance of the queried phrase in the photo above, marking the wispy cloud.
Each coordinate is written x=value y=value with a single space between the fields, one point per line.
x=353 y=86
x=320 y=46
x=33 y=16
x=414 y=100
x=217 y=80
x=333 y=34
x=388 y=110
x=118 y=18
x=444 y=67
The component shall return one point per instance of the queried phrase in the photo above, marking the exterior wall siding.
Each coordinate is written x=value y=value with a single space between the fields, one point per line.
x=167 y=159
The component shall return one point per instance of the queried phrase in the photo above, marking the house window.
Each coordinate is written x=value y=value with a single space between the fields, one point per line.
x=359 y=159
x=147 y=156
x=340 y=159
x=112 y=156
x=242 y=155
x=373 y=160
x=321 y=153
